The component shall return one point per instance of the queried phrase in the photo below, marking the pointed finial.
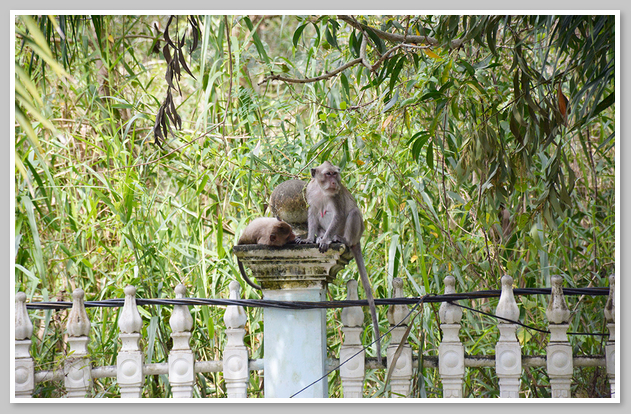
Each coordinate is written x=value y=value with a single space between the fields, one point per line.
x=610 y=306
x=23 y=324
x=448 y=312
x=235 y=316
x=181 y=319
x=398 y=313
x=129 y=320
x=78 y=321
x=352 y=316
x=507 y=306
x=557 y=312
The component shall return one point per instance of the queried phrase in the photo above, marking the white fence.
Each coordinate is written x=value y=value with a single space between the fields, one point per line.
x=77 y=372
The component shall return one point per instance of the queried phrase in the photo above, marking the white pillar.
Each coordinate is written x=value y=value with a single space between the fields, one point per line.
x=610 y=348
x=451 y=350
x=77 y=366
x=181 y=357
x=507 y=349
x=129 y=362
x=235 y=356
x=401 y=377
x=352 y=372
x=295 y=345
x=295 y=341
x=24 y=363
x=559 y=351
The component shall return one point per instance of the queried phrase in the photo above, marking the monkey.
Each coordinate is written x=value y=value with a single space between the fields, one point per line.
x=268 y=231
x=333 y=216
x=288 y=203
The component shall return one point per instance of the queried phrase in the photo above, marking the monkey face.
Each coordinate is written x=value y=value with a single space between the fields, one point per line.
x=281 y=234
x=327 y=176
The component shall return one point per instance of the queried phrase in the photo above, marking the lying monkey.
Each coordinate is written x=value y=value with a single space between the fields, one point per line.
x=268 y=231
x=333 y=216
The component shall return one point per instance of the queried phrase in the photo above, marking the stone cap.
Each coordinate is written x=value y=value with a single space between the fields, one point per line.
x=293 y=265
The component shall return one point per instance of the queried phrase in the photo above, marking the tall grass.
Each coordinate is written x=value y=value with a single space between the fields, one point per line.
x=99 y=206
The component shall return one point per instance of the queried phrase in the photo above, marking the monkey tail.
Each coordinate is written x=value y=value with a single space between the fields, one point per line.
x=246 y=278
x=363 y=274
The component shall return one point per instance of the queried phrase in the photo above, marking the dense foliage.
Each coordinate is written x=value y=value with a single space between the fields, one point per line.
x=476 y=146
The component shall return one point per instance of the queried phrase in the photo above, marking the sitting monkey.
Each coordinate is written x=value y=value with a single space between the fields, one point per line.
x=334 y=217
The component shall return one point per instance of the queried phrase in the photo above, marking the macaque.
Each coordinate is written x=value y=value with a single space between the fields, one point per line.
x=334 y=217
x=288 y=203
x=268 y=231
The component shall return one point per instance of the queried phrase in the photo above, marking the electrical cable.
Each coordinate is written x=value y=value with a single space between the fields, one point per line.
x=420 y=301
x=300 y=305
x=264 y=303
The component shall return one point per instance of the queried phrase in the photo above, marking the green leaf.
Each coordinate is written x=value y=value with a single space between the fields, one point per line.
x=394 y=257
x=330 y=38
x=467 y=66
x=394 y=76
x=37 y=254
x=255 y=38
x=418 y=140
x=381 y=46
x=429 y=158
x=298 y=34
x=391 y=102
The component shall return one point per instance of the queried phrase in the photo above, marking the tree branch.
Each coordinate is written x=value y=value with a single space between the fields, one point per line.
x=397 y=38
x=401 y=40
x=316 y=79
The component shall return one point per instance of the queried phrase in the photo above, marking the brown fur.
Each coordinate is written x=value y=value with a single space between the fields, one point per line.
x=268 y=231
x=335 y=218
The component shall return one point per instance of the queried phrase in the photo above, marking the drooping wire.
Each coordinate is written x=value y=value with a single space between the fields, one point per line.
x=264 y=303
x=524 y=325
x=420 y=301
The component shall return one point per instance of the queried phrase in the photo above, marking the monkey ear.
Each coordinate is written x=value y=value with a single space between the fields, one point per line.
x=313 y=171
x=272 y=237
x=338 y=169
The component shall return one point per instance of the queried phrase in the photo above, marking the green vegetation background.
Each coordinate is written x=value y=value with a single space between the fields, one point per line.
x=487 y=149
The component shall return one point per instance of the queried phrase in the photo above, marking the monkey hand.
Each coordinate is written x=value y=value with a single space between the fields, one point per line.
x=308 y=240
x=324 y=244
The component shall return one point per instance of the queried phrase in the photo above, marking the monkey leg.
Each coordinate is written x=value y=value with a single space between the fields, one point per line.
x=354 y=227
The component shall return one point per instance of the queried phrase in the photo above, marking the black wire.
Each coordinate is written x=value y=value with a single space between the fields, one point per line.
x=499 y=317
x=525 y=326
x=419 y=302
x=263 y=303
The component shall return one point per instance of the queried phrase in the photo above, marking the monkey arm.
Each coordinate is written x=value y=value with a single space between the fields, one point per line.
x=334 y=231
x=312 y=225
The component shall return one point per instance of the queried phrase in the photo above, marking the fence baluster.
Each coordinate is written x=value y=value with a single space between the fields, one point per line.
x=610 y=348
x=235 y=357
x=507 y=349
x=352 y=372
x=559 y=351
x=24 y=363
x=129 y=362
x=402 y=370
x=77 y=367
x=181 y=357
x=451 y=350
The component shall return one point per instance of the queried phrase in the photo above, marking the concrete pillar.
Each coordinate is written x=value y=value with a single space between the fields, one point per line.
x=294 y=341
